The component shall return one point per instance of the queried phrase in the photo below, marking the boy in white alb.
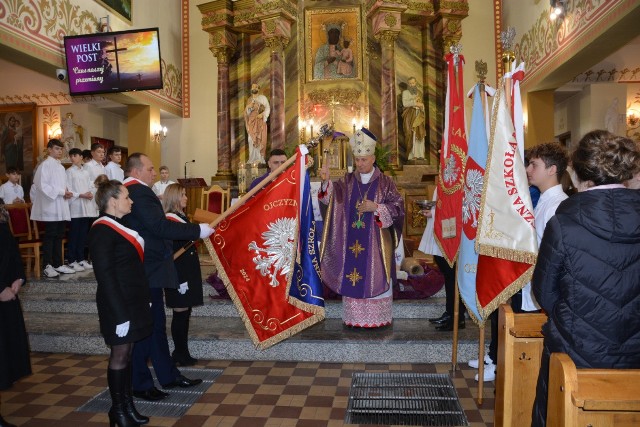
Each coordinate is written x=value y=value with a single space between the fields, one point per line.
x=164 y=182
x=82 y=210
x=113 y=169
x=11 y=191
x=50 y=206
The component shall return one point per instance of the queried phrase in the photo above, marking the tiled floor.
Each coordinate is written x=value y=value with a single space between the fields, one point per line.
x=250 y=394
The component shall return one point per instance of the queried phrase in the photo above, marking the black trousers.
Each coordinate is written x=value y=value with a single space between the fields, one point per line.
x=52 y=243
x=449 y=285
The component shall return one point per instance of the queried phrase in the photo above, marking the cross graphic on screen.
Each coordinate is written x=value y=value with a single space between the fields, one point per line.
x=115 y=50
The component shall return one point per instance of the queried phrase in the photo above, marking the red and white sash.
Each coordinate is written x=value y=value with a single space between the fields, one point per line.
x=132 y=236
x=175 y=218
x=131 y=180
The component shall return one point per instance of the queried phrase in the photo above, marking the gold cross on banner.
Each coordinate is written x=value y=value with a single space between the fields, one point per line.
x=356 y=248
x=354 y=276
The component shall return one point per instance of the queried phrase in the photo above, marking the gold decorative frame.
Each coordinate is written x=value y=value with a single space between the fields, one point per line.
x=348 y=19
x=19 y=141
x=118 y=8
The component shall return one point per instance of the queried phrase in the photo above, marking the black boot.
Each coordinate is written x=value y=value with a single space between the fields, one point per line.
x=118 y=413
x=128 y=402
x=180 y=335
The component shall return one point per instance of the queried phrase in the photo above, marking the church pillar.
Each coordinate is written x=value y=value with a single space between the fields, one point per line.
x=141 y=121
x=386 y=24
x=389 y=111
x=277 y=33
x=222 y=54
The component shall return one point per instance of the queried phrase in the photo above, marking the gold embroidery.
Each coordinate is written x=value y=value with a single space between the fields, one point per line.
x=356 y=248
x=354 y=276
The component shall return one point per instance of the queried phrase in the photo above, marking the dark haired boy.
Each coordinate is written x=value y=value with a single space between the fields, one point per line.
x=11 y=191
x=113 y=168
x=51 y=207
x=276 y=158
x=82 y=210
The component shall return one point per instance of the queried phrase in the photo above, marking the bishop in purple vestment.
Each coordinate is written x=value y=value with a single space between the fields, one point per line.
x=363 y=227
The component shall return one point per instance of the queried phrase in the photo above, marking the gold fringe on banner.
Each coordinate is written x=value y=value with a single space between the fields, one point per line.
x=508 y=254
x=506 y=293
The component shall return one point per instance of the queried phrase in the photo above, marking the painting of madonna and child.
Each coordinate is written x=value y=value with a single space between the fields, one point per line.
x=333 y=44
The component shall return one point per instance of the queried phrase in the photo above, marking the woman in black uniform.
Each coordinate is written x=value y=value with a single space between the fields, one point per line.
x=122 y=295
x=189 y=290
x=14 y=344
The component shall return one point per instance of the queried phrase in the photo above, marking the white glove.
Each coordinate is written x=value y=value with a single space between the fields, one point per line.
x=122 y=329
x=205 y=231
x=183 y=288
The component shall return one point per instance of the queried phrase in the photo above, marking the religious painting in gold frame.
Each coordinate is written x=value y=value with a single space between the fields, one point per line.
x=121 y=8
x=333 y=44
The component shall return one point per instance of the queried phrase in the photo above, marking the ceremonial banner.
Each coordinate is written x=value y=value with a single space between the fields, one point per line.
x=506 y=231
x=474 y=173
x=453 y=153
x=260 y=247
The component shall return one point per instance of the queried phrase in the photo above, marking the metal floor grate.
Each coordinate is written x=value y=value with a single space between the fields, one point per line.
x=404 y=399
x=176 y=405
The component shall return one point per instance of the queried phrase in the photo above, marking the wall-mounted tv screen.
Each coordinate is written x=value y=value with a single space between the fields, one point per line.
x=118 y=61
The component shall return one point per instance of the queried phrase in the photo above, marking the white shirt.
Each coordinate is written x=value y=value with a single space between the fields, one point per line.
x=78 y=182
x=114 y=171
x=10 y=191
x=94 y=168
x=428 y=242
x=544 y=211
x=160 y=186
x=50 y=182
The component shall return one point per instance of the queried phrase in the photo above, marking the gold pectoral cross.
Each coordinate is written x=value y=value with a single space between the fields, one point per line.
x=354 y=276
x=359 y=223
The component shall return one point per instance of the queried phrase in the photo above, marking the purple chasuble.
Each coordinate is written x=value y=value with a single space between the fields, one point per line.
x=356 y=260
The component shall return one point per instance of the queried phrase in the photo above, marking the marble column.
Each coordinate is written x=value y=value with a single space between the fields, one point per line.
x=389 y=111
x=277 y=119
x=223 y=54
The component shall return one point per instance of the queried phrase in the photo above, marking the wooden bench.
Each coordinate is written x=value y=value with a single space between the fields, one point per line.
x=592 y=397
x=519 y=352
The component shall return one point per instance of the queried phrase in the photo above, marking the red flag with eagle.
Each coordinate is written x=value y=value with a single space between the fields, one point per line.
x=260 y=247
x=453 y=157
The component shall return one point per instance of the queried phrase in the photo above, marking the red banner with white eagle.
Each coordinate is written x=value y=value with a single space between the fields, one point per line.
x=255 y=249
x=453 y=157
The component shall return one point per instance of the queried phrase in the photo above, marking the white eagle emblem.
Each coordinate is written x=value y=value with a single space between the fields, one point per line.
x=472 y=196
x=451 y=172
x=278 y=251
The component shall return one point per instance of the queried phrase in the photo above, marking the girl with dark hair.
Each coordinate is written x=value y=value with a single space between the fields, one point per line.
x=122 y=295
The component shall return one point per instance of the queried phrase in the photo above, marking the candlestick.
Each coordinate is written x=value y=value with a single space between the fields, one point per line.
x=242 y=178
x=254 y=170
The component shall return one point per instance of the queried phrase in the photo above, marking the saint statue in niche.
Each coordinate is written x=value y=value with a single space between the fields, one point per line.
x=256 y=114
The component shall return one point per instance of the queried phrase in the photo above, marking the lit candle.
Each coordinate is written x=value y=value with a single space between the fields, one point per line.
x=242 y=178
x=311 y=128
x=254 y=170
x=354 y=126
x=303 y=128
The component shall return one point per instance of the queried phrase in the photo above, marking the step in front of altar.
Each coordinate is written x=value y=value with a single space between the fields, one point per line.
x=61 y=316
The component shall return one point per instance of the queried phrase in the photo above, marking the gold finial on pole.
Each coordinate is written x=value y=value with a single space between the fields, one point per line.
x=508 y=55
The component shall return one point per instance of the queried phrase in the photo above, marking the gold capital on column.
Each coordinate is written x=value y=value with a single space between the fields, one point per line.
x=222 y=54
x=276 y=44
x=387 y=38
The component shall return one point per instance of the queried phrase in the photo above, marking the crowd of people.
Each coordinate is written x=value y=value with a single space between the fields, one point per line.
x=587 y=278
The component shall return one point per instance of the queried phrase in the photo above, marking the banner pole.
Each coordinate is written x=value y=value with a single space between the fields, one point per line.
x=324 y=131
x=456 y=316
x=481 y=365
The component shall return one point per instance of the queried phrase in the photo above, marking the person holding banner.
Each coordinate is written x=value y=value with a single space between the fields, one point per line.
x=189 y=292
x=148 y=219
x=587 y=277
x=363 y=226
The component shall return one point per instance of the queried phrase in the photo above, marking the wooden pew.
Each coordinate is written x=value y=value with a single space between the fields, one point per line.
x=592 y=397
x=519 y=351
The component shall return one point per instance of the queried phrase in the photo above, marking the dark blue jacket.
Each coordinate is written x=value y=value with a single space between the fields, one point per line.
x=150 y=221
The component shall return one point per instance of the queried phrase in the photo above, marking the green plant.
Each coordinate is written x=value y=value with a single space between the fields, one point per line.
x=383 y=153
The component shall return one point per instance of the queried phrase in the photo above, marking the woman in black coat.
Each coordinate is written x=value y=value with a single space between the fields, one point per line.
x=122 y=295
x=587 y=277
x=14 y=344
x=188 y=293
